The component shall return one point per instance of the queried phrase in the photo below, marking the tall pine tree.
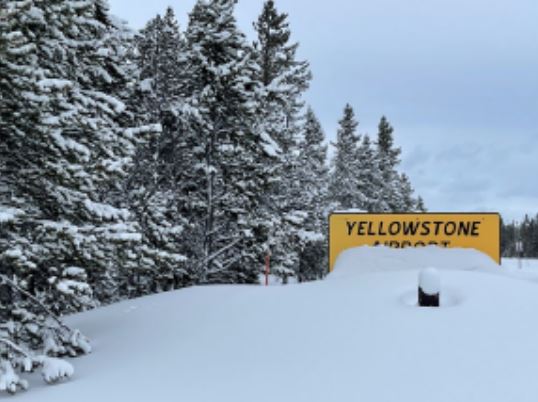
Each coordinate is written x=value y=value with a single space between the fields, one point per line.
x=162 y=163
x=283 y=80
x=368 y=174
x=344 y=188
x=388 y=159
x=395 y=190
x=229 y=151
x=314 y=175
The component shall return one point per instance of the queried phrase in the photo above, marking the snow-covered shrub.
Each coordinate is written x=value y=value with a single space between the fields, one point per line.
x=31 y=336
x=14 y=360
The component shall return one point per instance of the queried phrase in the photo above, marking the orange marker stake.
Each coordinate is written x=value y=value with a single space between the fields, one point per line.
x=267 y=262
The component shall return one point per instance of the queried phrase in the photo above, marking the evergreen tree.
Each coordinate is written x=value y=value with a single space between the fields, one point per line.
x=162 y=163
x=229 y=151
x=533 y=243
x=420 y=207
x=385 y=144
x=160 y=59
x=343 y=182
x=508 y=239
x=283 y=80
x=314 y=172
x=314 y=196
x=526 y=230
x=396 y=191
x=63 y=150
x=388 y=159
x=406 y=202
x=368 y=173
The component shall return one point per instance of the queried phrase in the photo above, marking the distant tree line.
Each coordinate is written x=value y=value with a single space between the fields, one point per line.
x=526 y=232
x=135 y=163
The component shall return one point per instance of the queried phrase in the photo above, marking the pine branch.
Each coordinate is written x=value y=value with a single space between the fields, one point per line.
x=13 y=346
x=8 y=281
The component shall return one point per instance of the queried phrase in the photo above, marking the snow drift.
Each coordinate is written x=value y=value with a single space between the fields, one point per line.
x=356 y=336
x=360 y=260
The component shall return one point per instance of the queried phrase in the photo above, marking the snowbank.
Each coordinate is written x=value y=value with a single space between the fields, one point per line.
x=356 y=336
x=359 y=260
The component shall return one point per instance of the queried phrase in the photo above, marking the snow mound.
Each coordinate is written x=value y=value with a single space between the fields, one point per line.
x=361 y=260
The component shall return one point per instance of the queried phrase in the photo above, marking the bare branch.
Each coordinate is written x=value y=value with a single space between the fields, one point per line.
x=219 y=252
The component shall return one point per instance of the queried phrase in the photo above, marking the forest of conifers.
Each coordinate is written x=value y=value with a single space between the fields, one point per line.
x=138 y=162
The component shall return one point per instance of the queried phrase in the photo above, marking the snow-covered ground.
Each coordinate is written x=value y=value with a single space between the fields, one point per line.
x=356 y=336
x=527 y=264
x=527 y=268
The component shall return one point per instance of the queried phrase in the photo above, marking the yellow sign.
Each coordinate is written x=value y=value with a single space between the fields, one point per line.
x=481 y=231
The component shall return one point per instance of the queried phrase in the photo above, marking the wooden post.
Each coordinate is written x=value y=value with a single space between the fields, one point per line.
x=429 y=288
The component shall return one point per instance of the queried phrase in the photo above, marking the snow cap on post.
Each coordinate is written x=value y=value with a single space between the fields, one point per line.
x=429 y=288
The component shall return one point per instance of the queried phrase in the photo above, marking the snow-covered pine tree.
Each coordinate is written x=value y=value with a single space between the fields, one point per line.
x=313 y=180
x=63 y=148
x=116 y=75
x=284 y=79
x=368 y=175
x=344 y=187
x=388 y=158
x=159 y=56
x=314 y=172
x=406 y=201
x=420 y=207
x=155 y=186
x=228 y=147
x=396 y=192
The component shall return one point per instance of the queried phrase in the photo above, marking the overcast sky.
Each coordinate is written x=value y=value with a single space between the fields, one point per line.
x=458 y=80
